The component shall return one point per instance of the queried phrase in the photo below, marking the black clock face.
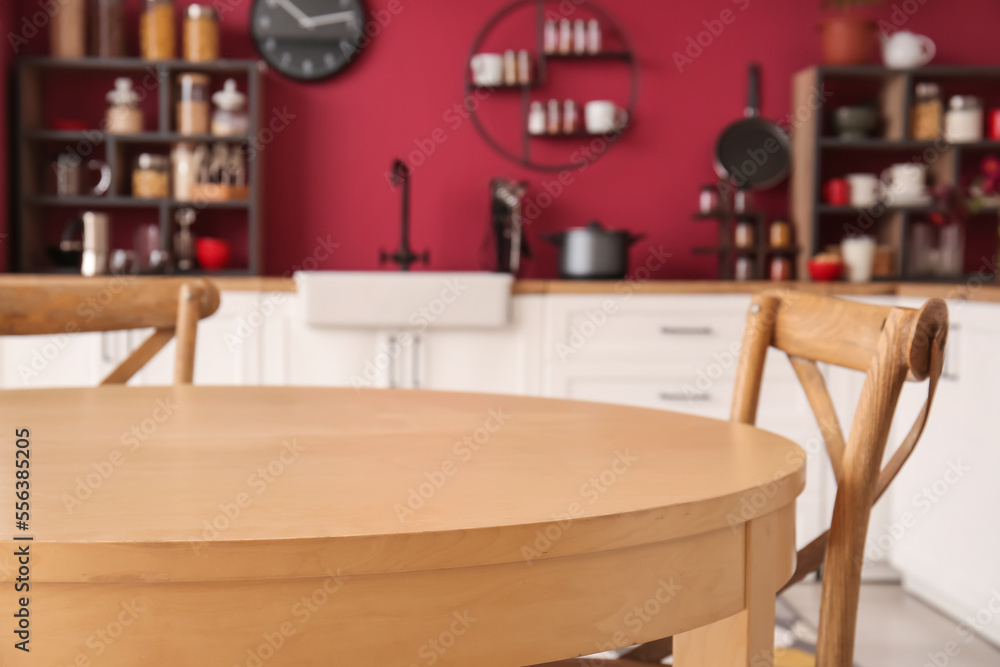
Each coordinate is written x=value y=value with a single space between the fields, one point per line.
x=308 y=40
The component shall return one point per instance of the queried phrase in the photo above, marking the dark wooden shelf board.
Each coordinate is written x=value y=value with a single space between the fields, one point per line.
x=138 y=64
x=138 y=138
x=929 y=72
x=624 y=56
x=579 y=134
x=129 y=202
x=901 y=145
x=856 y=210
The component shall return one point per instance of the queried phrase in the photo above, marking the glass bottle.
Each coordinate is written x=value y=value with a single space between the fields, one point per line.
x=193 y=109
x=536 y=119
x=156 y=30
x=579 y=36
x=554 y=124
x=108 y=29
x=594 y=37
x=124 y=115
x=230 y=118
x=201 y=34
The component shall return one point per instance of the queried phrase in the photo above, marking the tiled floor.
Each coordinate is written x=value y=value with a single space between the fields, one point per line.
x=896 y=630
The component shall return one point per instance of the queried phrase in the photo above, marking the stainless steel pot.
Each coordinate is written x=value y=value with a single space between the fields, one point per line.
x=593 y=252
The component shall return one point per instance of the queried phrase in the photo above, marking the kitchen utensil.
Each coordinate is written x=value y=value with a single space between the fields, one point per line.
x=487 y=69
x=89 y=236
x=213 y=254
x=753 y=152
x=593 y=252
x=906 y=50
x=69 y=172
x=837 y=192
x=859 y=257
x=825 y=270
x=603 y=116
x=507 y=240
x=855 y=123
x=864 y=189
x=904 y=183
x=964 y=121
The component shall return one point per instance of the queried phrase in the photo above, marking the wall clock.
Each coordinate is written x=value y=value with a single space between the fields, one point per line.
x=308 y=40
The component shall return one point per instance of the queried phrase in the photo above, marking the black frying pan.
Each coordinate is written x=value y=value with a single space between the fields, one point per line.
x=754 y=152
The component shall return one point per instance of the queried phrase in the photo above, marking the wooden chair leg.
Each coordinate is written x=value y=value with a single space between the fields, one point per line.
x=187 y=333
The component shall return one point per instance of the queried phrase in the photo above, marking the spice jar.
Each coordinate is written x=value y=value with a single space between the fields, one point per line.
x=553 y=124
x=744 y=268
x=928 y=112
x=230 y=118
x=193 y=109
x=743 y=238
x=156 y=31
x=108 y=29
x=781 y=269
x=68 y=29
x=151 y=177
x=708 y=200
x=536 y=119
x=964 y=121
x=124 y=115
x=201 y=34
x=571 y=119
x=781 y=234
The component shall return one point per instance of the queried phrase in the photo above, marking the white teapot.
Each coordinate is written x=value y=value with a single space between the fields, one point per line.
x=906 y=50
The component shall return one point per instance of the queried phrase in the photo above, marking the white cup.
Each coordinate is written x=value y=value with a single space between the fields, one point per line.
x=864 y=189
x=602 y=116
x=487 y=69
x=859 y=256
x=905 y=181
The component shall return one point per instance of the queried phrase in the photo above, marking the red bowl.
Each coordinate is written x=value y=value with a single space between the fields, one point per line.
x=213 y=254
x=825 y=272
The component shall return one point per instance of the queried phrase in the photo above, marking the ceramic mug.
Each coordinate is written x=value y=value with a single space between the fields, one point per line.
x=905 y=181
x=837 y=192
x=69 y=169
x=995 y=124
x=859 y=257
x=864 y=189
x=602 y=116
x=487 y=69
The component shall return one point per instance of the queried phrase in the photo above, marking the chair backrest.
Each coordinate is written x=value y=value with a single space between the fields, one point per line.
x=891 y=345
x=39 y=305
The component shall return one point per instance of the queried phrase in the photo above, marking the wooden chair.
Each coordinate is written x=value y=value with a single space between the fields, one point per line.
x=891 y=345
x=32 y=305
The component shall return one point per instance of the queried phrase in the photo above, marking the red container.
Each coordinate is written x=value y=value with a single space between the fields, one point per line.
x=837 y=191
x=825 y=272
x=995 y=124
x=213 y=254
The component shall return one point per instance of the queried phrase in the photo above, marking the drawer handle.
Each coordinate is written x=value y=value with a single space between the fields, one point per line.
x=686 y=331
x=681 y=396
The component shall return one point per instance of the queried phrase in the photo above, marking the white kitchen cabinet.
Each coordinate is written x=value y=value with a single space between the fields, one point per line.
x=60 y=360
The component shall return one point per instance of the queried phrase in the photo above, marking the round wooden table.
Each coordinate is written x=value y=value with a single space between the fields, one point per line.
x=299 y=527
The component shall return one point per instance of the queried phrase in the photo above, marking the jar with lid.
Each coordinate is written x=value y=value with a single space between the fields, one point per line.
x=571 y=119
x=743 y=238
x=156 y=30
x=108 y=29
x=928 y=112
x=68 y=31
x=201 y=34
x=781 y=234
x=124 y=115
x=193 y=109
x=781 y=269
x=708 y=200
x=536 y=119
x=230 y=118
x=744 y=268
x=151 y=177
x=964 y=121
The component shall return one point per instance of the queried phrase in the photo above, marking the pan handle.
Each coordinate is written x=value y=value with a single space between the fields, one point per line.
x=753 y=92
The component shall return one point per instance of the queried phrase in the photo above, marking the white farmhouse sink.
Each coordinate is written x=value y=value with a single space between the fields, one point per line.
x=418 y=300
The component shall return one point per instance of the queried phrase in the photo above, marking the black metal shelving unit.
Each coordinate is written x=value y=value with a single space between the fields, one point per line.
x=624 y=55
x=34 y=143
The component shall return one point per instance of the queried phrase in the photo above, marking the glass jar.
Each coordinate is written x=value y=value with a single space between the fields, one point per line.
x=68 y=29
x=781 y=234
x=230 y=118
x=708 y=200
x=781 y=269
x=193 y=108
x=928 y=112
x=201 y=34
x=124 y=115
x=108 y=29
x=156 y=31
x=151 y=177
x=744 y=268
x=964 y=121
x=743 y=238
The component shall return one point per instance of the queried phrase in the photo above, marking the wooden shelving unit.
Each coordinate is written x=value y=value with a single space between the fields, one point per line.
x=36 y=145
x=815 y=149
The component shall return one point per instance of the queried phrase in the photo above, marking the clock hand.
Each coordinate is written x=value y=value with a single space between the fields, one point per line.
x=297 y=13
x=327 y=19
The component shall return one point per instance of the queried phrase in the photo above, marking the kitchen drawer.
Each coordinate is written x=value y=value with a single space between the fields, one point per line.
x=643 y=327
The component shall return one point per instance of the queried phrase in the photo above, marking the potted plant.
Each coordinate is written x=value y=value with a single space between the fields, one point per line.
x=847 y=38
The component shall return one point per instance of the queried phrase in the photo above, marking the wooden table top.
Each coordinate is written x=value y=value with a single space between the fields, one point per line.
x=202 y=483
